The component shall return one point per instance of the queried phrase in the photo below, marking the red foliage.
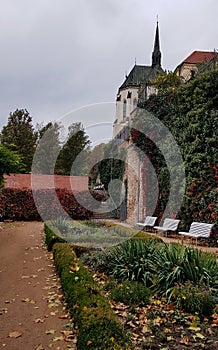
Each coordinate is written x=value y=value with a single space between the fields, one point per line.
x=16 y=204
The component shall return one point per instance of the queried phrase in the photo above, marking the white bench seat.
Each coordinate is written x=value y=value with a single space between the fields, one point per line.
x=149 y=222
x=168 y=225
x=198 y=230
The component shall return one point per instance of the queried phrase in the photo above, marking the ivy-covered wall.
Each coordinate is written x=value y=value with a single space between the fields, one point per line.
x=190 y=112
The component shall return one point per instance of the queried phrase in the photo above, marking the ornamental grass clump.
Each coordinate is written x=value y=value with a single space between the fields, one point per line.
x=132 y=261
x=176 y=264
x=62 y=224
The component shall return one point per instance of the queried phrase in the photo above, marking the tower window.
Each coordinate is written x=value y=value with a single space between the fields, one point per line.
x=124 y=109
x=135 y=102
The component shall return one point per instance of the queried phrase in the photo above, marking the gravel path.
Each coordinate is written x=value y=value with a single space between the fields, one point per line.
x=33 y=315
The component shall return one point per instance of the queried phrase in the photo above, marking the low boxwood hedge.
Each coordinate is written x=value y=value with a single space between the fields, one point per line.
x=99 y=327
x=51 y=238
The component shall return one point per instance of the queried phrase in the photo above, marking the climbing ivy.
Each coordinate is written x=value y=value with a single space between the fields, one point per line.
x=190 y=113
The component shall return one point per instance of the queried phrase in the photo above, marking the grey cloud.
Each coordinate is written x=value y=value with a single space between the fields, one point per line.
x=56 y=55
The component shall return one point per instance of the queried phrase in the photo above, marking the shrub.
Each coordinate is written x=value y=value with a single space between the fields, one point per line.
x=98 y=325
x=194 y=298
x=51 y=238
x=19 y=204
x=130 y=293
x=145 y=236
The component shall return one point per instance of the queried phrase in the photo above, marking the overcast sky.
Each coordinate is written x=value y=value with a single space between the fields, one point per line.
x=58 y=55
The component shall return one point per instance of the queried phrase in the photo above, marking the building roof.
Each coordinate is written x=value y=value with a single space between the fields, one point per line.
x=199 y=57
x=24 y=181
x=156 y=54
x=140 y=75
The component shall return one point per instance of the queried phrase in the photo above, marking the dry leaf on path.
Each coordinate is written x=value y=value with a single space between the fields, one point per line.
x=50 y=331
x=58 y=338
x=15 y=334
x=63 y=317
x=39 y=347
x=39 y=320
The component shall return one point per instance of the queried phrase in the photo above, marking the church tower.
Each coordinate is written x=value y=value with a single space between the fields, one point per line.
x=136 y=87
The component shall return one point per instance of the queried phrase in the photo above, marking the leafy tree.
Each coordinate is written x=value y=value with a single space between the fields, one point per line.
x=168 y=81
x=112 y=166
x=10 y=162
x=19 y=136
x=72 y=159
x=94 y=158
x=48 y=148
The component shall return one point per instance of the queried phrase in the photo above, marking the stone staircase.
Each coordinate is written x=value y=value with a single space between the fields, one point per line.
x=104 y=212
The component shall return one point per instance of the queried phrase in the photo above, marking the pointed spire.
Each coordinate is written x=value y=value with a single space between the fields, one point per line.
x=156 y=54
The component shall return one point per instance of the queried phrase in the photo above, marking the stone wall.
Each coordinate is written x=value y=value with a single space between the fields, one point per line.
x=135 y=195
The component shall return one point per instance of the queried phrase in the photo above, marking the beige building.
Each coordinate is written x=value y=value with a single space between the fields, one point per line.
x=197 y=62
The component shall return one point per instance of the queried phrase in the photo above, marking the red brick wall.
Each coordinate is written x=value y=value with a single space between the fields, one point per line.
x=36 y=181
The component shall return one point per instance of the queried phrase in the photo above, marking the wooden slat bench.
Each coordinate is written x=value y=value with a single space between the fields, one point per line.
x=149 y=222
x=168 y=225
x=198 y=230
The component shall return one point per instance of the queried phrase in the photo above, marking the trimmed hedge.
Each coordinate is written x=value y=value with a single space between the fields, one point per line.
x=18 y=204
x=98 y=325
x=51 y=238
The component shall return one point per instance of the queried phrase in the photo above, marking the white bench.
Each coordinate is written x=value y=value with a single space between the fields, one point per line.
x=149 y=222
x=168 y=225
x=198 y=230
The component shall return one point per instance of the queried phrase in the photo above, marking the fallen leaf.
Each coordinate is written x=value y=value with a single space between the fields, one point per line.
x=28 y=300
x=146 y=329
x=53 y=313
x=168 y=330
x=50 y=331
x=192 y=328
x=170 y=338
x=185 y=340
x=63 y=317
x=39 y=347
x=15 y=334
x=58 y=338
x=199 y=335
x=75 y=268
x=39 y=320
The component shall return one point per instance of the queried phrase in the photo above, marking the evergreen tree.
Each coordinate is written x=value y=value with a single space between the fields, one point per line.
x=72 y=159
x=19 y=135
x=48 y=148
x=10 y=162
